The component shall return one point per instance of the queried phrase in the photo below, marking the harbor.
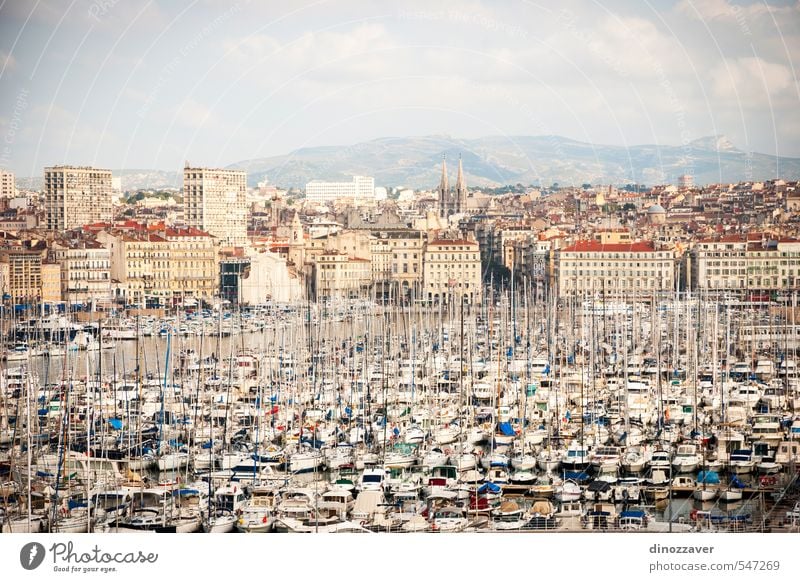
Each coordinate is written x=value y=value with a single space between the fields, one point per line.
x=521 y=413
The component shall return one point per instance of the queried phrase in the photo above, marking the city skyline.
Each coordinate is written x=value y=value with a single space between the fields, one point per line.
x=123 y=86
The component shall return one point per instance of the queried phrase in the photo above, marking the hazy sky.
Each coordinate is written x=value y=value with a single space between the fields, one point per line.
x=122 y=84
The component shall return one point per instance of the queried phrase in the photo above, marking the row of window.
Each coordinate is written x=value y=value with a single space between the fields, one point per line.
x=618 y=282
x=617 y=264
x=587 y=273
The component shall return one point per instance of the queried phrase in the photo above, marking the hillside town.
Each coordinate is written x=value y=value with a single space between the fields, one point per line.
x=83 y=242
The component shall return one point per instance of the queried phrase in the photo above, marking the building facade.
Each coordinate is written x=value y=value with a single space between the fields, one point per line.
x=24 y=284
x=8 y=187
x=360 y=188
x=745 y=263
x=193 y=263
x=616 y=269
x=140 y=267
x=75 y=196
x=85 y=271
x=452 y=271
x=215 y=201
x=338 y=276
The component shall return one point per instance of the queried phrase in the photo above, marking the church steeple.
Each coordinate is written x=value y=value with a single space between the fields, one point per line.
x=460 y=201
x=297 y=248
x=443 y=185
x=444 y=191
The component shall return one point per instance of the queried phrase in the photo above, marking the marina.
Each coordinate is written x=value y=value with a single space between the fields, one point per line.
x=360 y=416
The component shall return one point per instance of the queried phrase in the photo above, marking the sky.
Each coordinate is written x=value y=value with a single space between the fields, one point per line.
x=127 y=85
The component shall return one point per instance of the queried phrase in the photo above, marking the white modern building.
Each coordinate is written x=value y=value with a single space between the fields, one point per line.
x=360 y=188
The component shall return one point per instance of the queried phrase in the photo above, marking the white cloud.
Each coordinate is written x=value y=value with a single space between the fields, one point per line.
x=194 y=114
x=754 y=81
x=327 y=53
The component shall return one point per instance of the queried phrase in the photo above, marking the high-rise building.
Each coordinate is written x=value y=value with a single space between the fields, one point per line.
x=7 y=186
x=215 y=201
x=452 y=202
x=361 y=188
x=75 y=196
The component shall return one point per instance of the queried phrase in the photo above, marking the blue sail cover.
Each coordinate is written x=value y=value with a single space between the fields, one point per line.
x=506 y=429
x=490 y=488
x=708 y=477
x=736 y=483
x=115 y=423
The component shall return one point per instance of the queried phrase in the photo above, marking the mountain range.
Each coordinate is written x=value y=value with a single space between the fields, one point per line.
x=415 y=162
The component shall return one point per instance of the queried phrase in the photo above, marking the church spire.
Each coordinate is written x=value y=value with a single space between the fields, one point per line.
x=461 y=189
x=443 y=185
x=444 y=191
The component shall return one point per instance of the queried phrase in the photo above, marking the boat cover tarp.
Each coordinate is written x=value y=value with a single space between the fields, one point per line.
x=708 y=477
x=580 y=477
x=506 y=429
x=638 y=513
x=115 y=423
x=599 y=486
x=736 y=483
x=489 y=487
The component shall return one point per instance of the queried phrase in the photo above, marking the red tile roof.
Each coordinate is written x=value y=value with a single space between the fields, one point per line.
x=188 y=231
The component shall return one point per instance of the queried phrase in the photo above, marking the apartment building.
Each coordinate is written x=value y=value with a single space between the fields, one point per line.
x=215 y=201
x=77 y=195
x=451 y=271
x=617 y=268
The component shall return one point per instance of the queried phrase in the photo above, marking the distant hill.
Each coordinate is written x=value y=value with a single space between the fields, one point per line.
x=415 y=162
x=500 y=160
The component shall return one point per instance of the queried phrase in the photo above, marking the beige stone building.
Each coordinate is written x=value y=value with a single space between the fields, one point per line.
x=51 y=282
x=616 y=269
x=85 y=271
x=140 y=267
x=451 y=269
x=215 y=201
x=25 y=276
x=337 y=275
x=193 y=263
x=4 y=273
x=749 y=263
x=407 y=262
x=75 y=196
x=719 y=264
x=162 y=266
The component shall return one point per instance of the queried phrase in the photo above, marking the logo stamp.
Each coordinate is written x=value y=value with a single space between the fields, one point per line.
x=31 y=555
